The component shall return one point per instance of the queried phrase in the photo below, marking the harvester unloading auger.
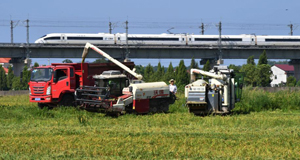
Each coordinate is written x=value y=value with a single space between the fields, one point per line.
x=115 y=93
x=218 y=95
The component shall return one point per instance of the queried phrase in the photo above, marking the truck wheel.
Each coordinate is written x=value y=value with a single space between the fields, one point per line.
x=67 y=100
x=41 y=105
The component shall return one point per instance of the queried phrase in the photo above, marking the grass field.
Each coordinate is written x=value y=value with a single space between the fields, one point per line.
x=27 y=132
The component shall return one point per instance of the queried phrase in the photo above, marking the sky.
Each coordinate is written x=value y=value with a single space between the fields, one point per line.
x=260 y=17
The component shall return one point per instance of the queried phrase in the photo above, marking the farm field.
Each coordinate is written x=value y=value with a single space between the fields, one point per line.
x=27 y=132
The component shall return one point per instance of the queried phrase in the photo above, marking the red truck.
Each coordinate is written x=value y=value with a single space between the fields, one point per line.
x=54 y=85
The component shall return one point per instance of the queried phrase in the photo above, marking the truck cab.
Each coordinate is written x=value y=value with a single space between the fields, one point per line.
x=49 y=83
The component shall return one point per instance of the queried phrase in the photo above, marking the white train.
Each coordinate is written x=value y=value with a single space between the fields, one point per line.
x=168 y=39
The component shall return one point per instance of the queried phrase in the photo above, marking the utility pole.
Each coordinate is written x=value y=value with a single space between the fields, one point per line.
x=109 y=27
x=27 y=26
x=27 y=60
x=291 y=29
x=12 y=26
x=11 y=32
x=27 y=48
x=220 y=61
x=202 y=28
x=127 y=51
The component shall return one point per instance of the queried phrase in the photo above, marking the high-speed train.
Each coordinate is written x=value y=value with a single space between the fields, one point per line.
x=168 y=39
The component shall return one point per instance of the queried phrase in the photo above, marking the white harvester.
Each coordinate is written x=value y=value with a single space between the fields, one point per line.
x=217 y=95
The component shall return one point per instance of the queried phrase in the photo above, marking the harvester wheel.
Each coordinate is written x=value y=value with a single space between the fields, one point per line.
x=67 y=100
x=153 y=109
x=165 y=107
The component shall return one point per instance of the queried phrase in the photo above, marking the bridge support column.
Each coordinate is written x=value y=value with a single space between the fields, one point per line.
x=296 y=64
x=18 y=65
x=212 y=62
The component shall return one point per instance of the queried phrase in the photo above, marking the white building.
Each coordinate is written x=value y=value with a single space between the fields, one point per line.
x=280 y=73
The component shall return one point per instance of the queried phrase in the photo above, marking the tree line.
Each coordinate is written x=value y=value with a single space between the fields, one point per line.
x=254 y=74
x=12 y=82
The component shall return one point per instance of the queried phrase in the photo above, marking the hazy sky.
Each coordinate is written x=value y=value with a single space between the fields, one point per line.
x=260 y=17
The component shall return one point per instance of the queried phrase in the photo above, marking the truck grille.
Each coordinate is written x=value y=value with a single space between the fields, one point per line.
x=38 y=90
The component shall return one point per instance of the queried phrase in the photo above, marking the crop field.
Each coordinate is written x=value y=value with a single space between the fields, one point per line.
x=258 y=132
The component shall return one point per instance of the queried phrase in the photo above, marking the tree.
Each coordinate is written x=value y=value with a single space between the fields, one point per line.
x=263 y=75
x=250 y=60
x=158 y=75
x=250 y=77
x=26 y=77
x=148 y=73
x=291 y=81
x=36 y=64
x=234 y=67
x=10 y=77
x=182 y=76
x=101 y=60
x=298 y=84
x=67 y=61
x=263 y=58
x=16 y=84
x=272 y=63
x=139 y=69
x=170 y=73
x=206 y=67
x=194 y=64
x=2 y=79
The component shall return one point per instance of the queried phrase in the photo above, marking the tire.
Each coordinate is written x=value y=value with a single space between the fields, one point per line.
x=67 y=100
x=153 y=109
x=41 y=105
x=165 y=107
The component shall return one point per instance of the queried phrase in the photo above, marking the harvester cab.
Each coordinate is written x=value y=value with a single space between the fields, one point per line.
x=114 y=82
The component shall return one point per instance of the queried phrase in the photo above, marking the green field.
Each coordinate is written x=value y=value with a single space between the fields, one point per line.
x=27 y=132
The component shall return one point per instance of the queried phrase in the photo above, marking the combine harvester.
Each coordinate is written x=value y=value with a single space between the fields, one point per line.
x=115 y=93
x=218 y=95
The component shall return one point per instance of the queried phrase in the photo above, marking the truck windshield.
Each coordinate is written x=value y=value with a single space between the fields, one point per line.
x=41 y=74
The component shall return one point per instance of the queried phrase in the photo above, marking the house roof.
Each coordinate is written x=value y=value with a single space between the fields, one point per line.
x=4 y=60
x=5 y=69
x=285 y=67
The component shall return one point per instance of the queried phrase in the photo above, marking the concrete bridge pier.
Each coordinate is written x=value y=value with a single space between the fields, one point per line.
x=18 y=65
x=296 y=64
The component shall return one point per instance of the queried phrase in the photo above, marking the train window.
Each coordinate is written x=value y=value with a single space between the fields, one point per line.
x=282 y=40
x=232 y=39
x=182 y=39
x=118 y=38
x=190 y=39
x=216 y=39
x=52 y=38
x=152 y=39
x=252 y=39
x=85 y=38
x=206 y=39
